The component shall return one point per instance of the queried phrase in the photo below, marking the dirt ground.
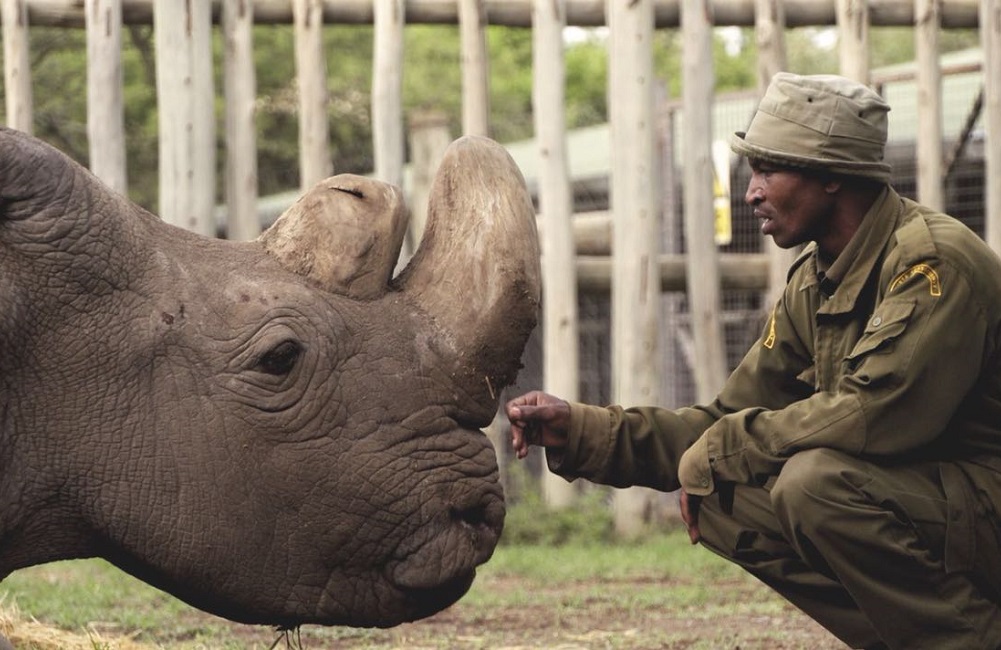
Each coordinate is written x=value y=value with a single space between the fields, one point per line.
x=700 y=607
x=618 y=614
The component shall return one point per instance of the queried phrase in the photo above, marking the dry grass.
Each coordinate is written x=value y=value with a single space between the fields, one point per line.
x=28 y=634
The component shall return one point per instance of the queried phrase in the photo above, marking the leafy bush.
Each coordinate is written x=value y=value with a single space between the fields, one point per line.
x=530 y=521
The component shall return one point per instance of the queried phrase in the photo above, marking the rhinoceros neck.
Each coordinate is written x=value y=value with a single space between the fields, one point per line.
x=35 y=527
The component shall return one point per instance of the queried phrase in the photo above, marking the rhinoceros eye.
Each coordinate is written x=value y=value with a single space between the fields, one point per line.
x=280 y=359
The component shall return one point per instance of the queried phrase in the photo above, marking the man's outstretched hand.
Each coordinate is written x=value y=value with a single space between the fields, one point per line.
x=538 y=418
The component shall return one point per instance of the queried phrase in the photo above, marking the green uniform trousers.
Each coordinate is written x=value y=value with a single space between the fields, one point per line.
x=882 y=556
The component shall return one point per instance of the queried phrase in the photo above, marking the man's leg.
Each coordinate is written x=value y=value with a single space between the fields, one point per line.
x=749 y=535
x=889 y=535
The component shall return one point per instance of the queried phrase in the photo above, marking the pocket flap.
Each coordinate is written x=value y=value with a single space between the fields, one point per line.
x=887 y=323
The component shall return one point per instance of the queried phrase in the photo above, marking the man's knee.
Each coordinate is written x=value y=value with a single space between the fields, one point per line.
x=813 y=486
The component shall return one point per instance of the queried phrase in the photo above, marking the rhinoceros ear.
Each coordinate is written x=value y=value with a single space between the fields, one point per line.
x=48 y=202
x=476 y=272
x=33 y=177
x=343 y=235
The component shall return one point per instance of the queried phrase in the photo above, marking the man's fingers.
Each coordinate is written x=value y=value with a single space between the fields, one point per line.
x=690 y=515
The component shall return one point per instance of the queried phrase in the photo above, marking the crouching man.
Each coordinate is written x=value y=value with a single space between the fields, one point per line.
x=852 y=461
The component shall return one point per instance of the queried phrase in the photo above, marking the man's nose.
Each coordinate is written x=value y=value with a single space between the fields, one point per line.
x=754 y=194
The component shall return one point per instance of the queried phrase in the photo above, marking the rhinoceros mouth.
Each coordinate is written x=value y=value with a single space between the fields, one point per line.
x=427 y=602
x=442 y=555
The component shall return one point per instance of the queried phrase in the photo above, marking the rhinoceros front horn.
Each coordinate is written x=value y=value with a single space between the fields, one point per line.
x=476 y=272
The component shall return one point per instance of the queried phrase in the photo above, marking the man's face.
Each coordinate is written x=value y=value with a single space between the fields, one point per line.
x=794 y=206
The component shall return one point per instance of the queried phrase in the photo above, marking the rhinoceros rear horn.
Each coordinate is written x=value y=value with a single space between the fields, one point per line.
x=344 y=235
x=476 y=272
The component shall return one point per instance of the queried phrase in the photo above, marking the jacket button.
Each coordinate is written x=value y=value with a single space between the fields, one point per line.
x=876 y=321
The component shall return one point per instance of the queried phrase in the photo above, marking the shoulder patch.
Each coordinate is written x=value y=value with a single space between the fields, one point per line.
x=934 y=286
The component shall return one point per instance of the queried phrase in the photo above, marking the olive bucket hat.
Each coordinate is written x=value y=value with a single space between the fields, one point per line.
x=822 y=122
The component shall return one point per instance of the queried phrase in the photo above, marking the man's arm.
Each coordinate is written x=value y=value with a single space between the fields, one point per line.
x=919 y=356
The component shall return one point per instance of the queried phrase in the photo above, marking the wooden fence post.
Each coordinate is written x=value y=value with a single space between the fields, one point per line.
x=311 y=70
x=17 y=65
x=187 y=114
x=990 y=35
x=429 y=138
x=475 y=68
x=929 y=95
x=853 y=39
x=105 y=104
x=633 y=198
x=561 y=341
x=240 y=85
x=387 y=91
x=703 y=266
x=769 y=30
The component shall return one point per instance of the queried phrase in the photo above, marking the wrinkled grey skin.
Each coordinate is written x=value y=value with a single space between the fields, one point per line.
x=233 y=432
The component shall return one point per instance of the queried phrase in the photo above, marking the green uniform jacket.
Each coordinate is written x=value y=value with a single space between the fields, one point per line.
x=901 y=361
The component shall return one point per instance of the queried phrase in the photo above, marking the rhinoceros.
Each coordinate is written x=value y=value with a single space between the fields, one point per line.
x=279 y=431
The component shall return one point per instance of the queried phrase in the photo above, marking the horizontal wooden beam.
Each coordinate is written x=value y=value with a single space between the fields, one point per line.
x=518 y=13
x=737 y=271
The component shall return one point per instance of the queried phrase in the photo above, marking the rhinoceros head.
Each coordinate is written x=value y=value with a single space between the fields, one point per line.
x=276 y=431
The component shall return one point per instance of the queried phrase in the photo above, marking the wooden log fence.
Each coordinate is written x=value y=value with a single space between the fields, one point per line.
x=636 y=271
x=240 y=84
x=703 y=268
x=636 y=343
x=518 y=13
x=560 y=335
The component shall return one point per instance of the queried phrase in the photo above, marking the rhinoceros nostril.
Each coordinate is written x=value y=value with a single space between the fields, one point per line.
x=474 y=517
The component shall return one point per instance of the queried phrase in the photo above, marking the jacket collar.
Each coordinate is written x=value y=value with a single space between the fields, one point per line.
x=856 y=262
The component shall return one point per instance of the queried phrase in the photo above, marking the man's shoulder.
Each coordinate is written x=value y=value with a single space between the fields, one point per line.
x=929 y=236
x=926 y=232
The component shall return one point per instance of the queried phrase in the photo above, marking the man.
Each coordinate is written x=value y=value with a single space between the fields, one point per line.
x=852 y=461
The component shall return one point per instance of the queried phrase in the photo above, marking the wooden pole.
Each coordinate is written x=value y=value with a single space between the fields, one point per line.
x=853 y=39
x=311 y=69
x=105 y=104
x=475 y=68
x=769 y=31
x=742 y=271
x=240 y=87
x=561 y=341
x=633 y=199
x=990 y=36
x=929 y=85
x=703 y=271
x=17 y=65
x=387 y=91
x=187 y=115
x=674 y=311
x=960 y=14
x=429 y=138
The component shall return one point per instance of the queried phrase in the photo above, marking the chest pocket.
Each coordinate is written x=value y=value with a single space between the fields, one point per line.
x=884 y=327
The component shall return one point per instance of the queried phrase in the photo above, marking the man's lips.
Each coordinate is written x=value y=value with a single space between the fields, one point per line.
x=766 y=221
